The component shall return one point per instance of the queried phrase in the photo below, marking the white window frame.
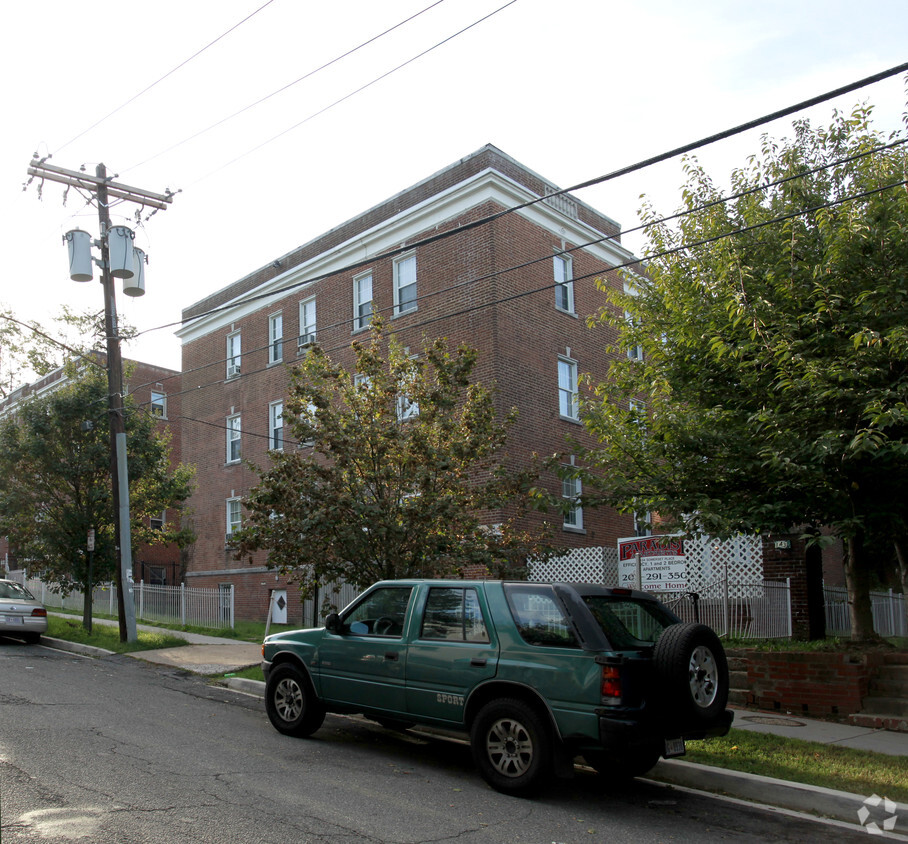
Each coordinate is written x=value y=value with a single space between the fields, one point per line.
x=276 y=338
x=563 y=266
x=307 y=323
x=234 y=438
x=276 y=425
x=158 y=521
x=403 y=305
x=158 y=404
x=362 y=306
x=568 y=395
x=234 y=515
x=571 y=490
x=234 y=353
x=634 y=352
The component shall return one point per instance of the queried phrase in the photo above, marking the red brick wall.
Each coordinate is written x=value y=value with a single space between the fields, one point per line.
x=461 y=298
x=808 y=683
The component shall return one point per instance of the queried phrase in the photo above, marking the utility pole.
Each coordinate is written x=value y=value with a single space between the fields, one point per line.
x=102 y=188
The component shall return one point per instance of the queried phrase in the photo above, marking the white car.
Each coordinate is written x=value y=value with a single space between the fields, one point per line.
x=21 y=613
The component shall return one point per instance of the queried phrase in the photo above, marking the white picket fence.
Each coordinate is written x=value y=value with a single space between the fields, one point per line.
x=184 y=605
x=889 y=612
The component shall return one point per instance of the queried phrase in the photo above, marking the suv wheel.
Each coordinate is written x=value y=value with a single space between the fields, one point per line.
x=511 y=746
x=690 y=661
x=290 y=701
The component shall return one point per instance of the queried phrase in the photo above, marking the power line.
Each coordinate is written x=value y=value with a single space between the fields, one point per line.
x=640 y=165
x=353 y=93
x=284 y=87
x=548 y=287
x=162 y=78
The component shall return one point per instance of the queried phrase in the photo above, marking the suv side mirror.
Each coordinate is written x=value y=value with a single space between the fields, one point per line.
x=333 y=623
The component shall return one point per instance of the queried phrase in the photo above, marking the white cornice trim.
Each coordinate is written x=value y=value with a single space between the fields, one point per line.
x=487 y=185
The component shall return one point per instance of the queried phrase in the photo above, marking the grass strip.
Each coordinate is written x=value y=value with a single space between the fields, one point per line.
x=107 y=637
x=814 y=763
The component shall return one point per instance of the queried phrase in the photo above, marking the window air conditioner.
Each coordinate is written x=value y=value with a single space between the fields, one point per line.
x=306 y=340
x=233 y=370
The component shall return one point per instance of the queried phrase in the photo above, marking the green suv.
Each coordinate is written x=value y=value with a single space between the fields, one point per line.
x=534 y=673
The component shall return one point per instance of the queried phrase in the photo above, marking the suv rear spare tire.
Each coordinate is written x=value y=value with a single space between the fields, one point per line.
x=692 y=672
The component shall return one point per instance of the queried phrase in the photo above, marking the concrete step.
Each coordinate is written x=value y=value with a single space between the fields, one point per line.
x=879 y=722
x=738 y=697
x=889 y=706
x=889 y=687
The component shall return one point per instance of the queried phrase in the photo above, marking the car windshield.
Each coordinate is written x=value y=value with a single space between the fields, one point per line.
x=628 y=622
x=10 y=589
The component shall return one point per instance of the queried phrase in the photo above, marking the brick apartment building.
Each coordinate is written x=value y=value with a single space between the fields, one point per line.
x=157 y=391
x=477 y=285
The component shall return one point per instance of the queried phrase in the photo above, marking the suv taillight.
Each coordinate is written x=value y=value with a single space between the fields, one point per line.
x=611 y=685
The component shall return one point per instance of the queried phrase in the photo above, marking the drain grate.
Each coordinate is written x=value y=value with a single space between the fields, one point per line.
x=773 y=722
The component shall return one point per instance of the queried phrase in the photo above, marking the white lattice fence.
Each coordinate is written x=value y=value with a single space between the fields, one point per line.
x=739 y=559
x=580 y=565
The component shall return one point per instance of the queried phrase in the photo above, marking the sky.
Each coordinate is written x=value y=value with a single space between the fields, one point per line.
x=573 y=90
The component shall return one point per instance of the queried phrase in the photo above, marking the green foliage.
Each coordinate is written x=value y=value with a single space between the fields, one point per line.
x=395 y=471
x=55 y=480
x=775 y=369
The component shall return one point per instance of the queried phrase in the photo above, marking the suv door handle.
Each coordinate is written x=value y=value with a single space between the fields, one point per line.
x=391 y=655
x=478 y=661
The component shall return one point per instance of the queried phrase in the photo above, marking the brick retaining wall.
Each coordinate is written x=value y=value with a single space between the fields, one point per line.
x=806 y=682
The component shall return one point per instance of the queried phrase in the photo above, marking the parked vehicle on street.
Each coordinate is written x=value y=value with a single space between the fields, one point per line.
x=21 y=614
x=535 y=674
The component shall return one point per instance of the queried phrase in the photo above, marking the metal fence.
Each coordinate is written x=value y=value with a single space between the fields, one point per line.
x=889 y=612
x=751 y=610
x=208 y=607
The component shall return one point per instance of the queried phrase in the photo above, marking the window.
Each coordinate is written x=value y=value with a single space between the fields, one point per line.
x=156 y=522
x=307 y=322
x=634 y=352
x=234 y=440
x=564 y=283
x=454 y=615
x=275 y=338
x=234 y=353
x=570 y=491
x=158 y=404
x=362 y=301
x=276 y=425
x=381 y=613
x=406 y=407
x=234 y=516
x=568 y=405
x=405 y=284
x=643 y=523
x=538 y=616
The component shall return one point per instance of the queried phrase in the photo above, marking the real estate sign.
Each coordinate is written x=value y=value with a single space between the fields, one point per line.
x=663 y=563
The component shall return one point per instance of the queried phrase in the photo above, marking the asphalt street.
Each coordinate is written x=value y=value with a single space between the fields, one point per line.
x=115 y=750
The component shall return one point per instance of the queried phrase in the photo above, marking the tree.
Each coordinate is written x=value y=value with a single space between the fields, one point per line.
x=394 y=472
x=55 y=481
x=773 y=386
x=27 y=349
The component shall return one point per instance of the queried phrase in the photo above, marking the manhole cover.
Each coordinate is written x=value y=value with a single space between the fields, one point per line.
x=773 y=722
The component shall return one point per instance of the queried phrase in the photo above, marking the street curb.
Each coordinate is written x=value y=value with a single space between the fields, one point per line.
x=240 y=684
x=74 y=647
x=786 y=794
